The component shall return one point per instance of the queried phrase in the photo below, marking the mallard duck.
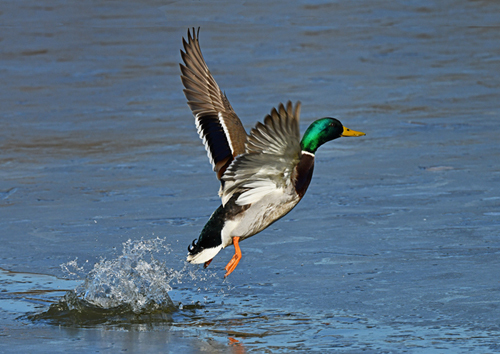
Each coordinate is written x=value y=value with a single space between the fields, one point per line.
x=263 y=175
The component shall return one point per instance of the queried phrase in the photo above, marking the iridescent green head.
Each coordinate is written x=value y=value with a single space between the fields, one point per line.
x=322 y=131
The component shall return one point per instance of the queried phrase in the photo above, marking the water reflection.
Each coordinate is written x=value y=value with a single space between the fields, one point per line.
x=236 y=346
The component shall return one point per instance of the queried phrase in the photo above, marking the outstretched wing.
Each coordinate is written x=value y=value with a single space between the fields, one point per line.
x=218 y=126
x=272 y=151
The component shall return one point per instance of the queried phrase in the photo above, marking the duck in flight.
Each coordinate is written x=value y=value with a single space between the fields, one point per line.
x=263 y=175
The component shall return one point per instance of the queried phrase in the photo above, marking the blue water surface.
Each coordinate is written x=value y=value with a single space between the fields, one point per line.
x=395 y=248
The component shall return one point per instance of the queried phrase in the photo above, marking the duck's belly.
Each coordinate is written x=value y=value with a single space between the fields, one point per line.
x=258 y=216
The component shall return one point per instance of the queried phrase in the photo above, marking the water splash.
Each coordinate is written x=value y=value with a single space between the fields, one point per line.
x=72 y=269
x=131 y=288
x=136 y=278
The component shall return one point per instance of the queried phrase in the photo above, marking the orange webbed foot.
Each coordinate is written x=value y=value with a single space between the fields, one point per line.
x=236 y=258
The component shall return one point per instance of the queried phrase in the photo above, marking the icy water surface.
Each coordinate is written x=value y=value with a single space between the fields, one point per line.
x=104 y=182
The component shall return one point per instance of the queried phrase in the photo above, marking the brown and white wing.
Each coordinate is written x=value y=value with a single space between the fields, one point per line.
x=272 y=151
x=218 y=125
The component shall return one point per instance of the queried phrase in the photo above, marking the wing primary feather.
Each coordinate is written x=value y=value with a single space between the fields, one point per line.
x=218 y=125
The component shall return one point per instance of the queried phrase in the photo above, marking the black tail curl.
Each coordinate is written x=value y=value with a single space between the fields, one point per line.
x=192 y=248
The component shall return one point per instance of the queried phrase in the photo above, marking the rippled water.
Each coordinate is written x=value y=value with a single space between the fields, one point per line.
x=104 y=182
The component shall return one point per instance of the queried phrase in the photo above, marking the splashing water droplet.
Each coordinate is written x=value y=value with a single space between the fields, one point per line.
x=132 y=287
x=135 y=278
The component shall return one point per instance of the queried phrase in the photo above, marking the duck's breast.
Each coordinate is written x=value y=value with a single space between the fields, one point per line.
x=260 y=214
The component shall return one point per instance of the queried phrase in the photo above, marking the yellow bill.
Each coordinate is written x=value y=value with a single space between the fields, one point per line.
x=349 y=132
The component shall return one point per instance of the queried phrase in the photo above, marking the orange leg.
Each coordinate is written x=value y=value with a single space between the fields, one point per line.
x=236 y=258
x=207 y=263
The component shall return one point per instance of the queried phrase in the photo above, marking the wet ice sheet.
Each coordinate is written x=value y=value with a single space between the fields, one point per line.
x=249 y=326
x=395 y=245
x=29 y=292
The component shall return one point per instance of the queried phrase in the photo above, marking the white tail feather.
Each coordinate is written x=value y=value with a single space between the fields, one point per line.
x=204 y=256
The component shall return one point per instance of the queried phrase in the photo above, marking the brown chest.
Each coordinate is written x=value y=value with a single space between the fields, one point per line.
x=303 y=173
